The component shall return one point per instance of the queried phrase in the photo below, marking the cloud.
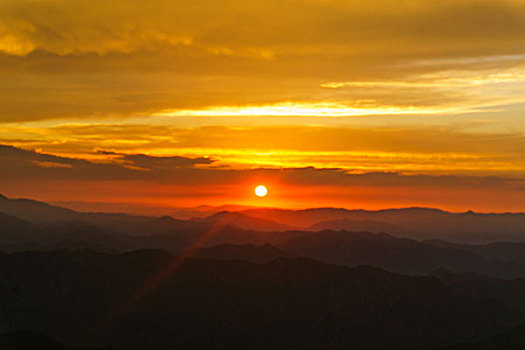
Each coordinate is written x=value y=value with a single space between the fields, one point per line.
x=452 y=150
x=53 y=178
x=30 y=164
x=309 y=92
x=74 y=59
x=143 y=161
x=52 y=164
x=226 y=28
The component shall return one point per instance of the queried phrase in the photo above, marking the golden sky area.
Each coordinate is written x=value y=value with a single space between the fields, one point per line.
x=359 y=104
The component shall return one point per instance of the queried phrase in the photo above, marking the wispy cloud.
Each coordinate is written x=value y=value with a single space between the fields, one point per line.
x=355 y=149
x=26 y=172
x=126 y=59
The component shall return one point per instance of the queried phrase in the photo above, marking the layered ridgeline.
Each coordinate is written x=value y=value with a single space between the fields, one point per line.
x=416 y=223
x=263 y=278
x=154 y=300
x=31 y=225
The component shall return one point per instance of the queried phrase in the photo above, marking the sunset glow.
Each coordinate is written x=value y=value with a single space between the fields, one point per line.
x=194 y=101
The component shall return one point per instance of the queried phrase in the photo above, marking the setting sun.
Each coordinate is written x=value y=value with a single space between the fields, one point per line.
x=261 y=191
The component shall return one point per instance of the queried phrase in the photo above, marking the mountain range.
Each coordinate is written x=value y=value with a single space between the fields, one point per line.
x=321 y=278
x=415 y=223
x=153 y=300
x=30 y=225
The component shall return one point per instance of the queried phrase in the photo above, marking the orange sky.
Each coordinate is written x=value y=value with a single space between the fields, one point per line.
x=147 y=106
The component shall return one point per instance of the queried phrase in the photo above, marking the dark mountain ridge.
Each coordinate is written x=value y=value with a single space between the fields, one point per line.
x=388 y=252
x=340 y=247
x=83 y=298
x=247 y=252
x=245 y=222
x=43 y=213
x=356 y=226
x=416 y=223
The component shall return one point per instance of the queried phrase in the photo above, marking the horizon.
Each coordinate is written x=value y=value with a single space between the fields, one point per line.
x=208 y=210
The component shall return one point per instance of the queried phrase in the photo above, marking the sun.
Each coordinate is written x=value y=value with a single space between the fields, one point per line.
x=261 y=191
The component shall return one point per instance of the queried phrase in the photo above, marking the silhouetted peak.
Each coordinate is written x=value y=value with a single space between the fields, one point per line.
x=147 y=253
x=246 y=221
x=225 y=214
x=415 y=210
x=2 y=197
x=166 y=219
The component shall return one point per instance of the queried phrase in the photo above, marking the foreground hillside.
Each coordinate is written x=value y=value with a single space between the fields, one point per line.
x=150 y=299
x=27 y=340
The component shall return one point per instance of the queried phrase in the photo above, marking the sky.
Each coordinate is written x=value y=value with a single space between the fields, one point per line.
x=153 y=105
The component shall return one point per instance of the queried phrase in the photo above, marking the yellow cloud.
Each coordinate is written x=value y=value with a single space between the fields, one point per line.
x=363 y=149
x=46 y=164
x=129 y=58
x=312 y=109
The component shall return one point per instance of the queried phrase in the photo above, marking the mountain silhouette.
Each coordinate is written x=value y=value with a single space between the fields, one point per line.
x=382 y=250
x=416 y=223
x=308 y=217
x=90 y=299
x=495 y=250
x=27 y=339
x=513 y=339
x=119 y=233
x=356 y=226
x=31 y=210
x=249 y=280
x=39 y=212
x=248 y=252
x=246 y=222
